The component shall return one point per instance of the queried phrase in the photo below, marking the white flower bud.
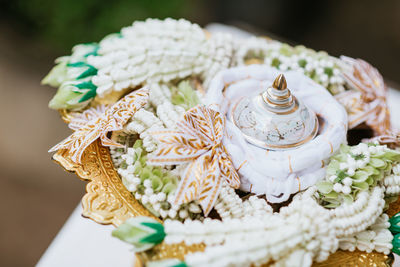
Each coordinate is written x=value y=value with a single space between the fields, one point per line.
x=136 y=181
x=163 y=213
x=351 y=171
x=343 y=166
x=172 y=213
x=161 y=196
x=183 y=214
x=149 y=191
x=132 y=188
x=145 y=199
x=347 y=181
x=193 y=208
x=346 y=190
x=337 y=187
x=153 y=199
x=147 y=183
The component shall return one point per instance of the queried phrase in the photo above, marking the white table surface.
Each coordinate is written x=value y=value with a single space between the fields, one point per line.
x=82 y=242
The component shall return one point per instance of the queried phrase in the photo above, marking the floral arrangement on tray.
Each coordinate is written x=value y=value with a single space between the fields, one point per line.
x=172 y=127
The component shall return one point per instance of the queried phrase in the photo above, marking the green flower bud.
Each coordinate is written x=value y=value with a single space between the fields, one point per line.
x=348 y=199
x=392 y=155
x=145 y=173
x=370 y=181
x=167 y=263
x=138 y=144
x=360 y=176
x=169 y=188
x=137 y=168
x=377 y=163
x=324 y=187
x=80 y=70
x=286 y=50
x=156 y=183
x=396 y=244
x=332 y=167
x=395 y=224
x=361 y=186
x=142 y=232
x=58 y=73
x=370 y=170
x=184 y=95
x=143 y=160
x=70 y=96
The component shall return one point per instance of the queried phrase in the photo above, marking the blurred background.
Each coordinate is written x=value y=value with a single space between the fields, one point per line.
x=36 y=195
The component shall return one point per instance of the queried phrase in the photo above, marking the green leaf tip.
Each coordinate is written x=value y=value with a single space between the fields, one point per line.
x=167 y=263
x=395 y=224
x=184 y=95
x=73 y=95
x=396 y=244
x=142 y=232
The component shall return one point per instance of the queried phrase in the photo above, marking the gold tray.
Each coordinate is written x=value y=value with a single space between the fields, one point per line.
x=107 y=201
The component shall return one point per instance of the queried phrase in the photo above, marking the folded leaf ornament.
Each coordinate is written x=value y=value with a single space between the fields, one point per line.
x=198 y=141
x=80 y=120
x=113 y=119
x=368 y=102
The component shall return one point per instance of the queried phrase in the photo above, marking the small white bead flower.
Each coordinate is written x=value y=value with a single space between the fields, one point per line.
x=347 y=181
x=337 y=187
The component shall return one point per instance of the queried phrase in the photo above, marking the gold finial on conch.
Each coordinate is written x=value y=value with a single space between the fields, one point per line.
x=280 y=83
x=278 y=96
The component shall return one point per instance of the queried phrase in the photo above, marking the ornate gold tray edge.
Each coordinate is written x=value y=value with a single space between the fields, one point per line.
x=107 y=201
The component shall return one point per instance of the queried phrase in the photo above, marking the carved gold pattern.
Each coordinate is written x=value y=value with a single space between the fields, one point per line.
x=108 y=202
x=394 y=208
x=164 y=251
x=356 y=259
x=338 y=259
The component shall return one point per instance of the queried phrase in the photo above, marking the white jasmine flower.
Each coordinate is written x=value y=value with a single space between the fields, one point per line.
x=172 y=213
x=132 y=188
x=147 y=183
x=149 y=191
x=346 y=190
x=337 y=187
x=145 y=199
x=183 y=214
x=347 y=181
x=332 y=178
x=343 y=166
x=161 y=196
x=351 y=171
x=136 y=181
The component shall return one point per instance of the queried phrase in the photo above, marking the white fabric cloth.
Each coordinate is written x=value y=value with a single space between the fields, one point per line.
x=278 y=174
